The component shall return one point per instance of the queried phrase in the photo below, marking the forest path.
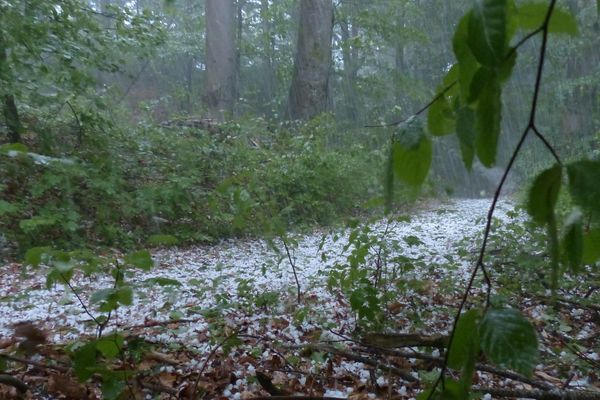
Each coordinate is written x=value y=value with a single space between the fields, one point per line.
x=234 y=273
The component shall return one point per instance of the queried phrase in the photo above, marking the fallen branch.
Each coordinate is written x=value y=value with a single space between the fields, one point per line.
x=555 y=394
x=479 y=366
x=406 y=375
x=295 y=398
x=34 y=363
x=158 y=388
x=14 y=382
x=405 y=340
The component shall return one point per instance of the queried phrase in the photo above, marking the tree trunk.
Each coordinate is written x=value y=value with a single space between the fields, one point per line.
x=9 y=107
x=308 y=94
x=269 y=88
x=219 y=88
x=349 y=56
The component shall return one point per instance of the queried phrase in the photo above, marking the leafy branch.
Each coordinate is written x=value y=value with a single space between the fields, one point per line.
x=531 y=127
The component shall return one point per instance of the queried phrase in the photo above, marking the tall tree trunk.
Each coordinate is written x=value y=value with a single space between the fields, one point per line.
x=308 y=95
x=268 y=52
x=239 y=34
x=9 y=107
x=349 y=56
x=219 y=88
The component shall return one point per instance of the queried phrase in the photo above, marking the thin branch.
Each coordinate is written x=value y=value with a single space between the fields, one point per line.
x=293 y=264
x=480 y=265
x=80 y=134
x=550 y=148
x=420 y=111
x=85 y=309
x=210 y=356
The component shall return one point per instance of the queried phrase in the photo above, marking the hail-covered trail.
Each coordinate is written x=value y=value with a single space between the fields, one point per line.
x=248 y=286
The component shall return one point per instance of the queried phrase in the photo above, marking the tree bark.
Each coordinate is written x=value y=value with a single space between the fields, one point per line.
x=269 y=87
x=308 y=94
x=219 y=88
x=349 y=55
x=9 y=106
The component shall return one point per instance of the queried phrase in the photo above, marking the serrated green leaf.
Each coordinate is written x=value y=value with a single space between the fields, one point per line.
x=591 y=246
x=544 y=194
x=140 y=259
x=488 y=115
x=530 y=16
x=572 y=240
x=487 y=31
x=411 y=164
x=465 y=130
x=479 y=82
x=584 y=178
x=508 y=339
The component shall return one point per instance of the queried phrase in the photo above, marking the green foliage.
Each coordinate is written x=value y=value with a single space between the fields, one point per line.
x=509 y=339
x=465 y=347
x=531 y=15
x=544 y=194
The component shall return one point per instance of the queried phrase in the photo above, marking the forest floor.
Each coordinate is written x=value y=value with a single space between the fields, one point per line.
x=226 y=320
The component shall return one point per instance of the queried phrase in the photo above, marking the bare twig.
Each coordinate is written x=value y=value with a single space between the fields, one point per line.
x=293 y=264
x=210 y=356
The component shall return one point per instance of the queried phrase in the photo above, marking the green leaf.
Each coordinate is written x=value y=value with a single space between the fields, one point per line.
x=112 y=387
x=509 y=339
x=487 y=31
x=440 y=119
x=591 y=247
x=466 y=340
x=488 y=115
x=506 y=67
x=35 y=255
x=108 y=348
x=572 y=241
x=479 y=82
x=467 y=64
x=140 y=259
x=544 y=194
x=84 y=361
x=412 y=155
x=125 y=295
x=584 y=178
x=465 y=130
x=530 y=16
x=109 y=299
